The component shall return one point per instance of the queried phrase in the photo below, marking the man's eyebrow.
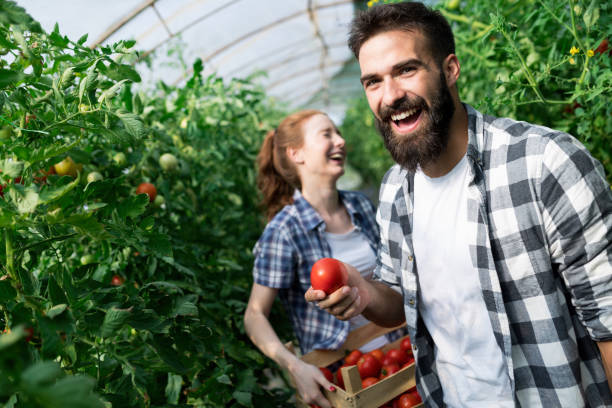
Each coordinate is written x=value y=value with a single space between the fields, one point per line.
x=367 y=77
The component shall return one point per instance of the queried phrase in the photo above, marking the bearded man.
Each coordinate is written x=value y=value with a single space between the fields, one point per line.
x=498 y=233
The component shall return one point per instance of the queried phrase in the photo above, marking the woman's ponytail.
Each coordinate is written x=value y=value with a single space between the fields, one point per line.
x=276 y=191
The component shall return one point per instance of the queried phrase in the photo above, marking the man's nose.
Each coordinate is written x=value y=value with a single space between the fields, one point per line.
x=392 y=92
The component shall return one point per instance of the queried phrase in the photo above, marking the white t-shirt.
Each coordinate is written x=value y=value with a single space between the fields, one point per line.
x=470 y=364
x=353 y=248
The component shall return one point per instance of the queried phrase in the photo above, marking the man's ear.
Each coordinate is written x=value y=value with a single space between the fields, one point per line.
x=452 y=69
x=295 y=155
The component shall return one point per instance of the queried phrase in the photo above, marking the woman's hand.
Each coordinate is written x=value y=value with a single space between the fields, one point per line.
x=308 y=380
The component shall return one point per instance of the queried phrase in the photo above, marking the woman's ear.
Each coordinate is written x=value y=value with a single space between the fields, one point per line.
x=295 y=155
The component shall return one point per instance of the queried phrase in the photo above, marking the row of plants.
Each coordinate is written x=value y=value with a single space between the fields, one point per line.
x=127 y=218
x=543 y=61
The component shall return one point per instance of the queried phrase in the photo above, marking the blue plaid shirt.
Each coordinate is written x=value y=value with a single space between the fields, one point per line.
x=284 y=254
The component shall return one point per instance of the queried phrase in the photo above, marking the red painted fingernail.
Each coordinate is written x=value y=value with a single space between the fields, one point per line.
x=332 y=388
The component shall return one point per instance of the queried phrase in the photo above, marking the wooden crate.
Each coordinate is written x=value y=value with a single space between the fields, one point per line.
x=354 y=396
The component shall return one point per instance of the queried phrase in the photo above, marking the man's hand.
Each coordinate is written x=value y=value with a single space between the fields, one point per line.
x=346 y=302
x=343 y=303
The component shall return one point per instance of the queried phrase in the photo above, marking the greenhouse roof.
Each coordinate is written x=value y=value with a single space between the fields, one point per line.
x=299 y=44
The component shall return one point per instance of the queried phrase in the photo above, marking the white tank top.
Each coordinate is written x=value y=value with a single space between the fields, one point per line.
x=470 y=364
x=353 y=249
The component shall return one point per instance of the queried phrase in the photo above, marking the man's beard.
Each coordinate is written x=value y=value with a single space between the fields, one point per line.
x=425 y=145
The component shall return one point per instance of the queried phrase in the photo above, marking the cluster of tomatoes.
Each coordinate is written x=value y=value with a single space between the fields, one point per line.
x=377 y=365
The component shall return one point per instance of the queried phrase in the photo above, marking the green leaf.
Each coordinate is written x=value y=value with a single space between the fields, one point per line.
x=110 y=92
x=132 y=123
x=40 y=374
x=26 y=198
x=82 y=39
x=56 y=310
x=173 y=388
x=11 y=168
x=163 y=347
x=50 y=194
x=591 y=15
x=243 y=398
x=8 y=339
x=7 y=292
x=133 y=206
x=224 y=379
x=185 y=306
x=87 y=224
x=70 y=392
x=114 y=320
x=8 y=77
x=56 y=294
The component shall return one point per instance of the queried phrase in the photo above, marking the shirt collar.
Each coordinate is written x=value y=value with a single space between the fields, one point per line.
x=311 y=219
x=475 y=135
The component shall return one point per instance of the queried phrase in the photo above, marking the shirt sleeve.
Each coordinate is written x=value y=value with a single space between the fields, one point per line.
x=577 y=204
x=273 y=266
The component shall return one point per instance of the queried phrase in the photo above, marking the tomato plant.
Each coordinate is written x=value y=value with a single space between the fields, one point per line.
x=328 y=275
x=173 y=336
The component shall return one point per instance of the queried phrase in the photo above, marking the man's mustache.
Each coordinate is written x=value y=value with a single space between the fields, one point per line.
x=402 y=105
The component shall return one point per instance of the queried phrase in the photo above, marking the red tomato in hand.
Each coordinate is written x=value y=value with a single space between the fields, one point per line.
x=409 y=399
x=368 y=366
x=149 y=189
x=366 y=382
x=327 y=373
x=328 y=275
x=353 y=357
x=398 y=355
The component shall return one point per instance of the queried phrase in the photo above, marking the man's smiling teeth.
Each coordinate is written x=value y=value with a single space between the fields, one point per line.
x=403 y=115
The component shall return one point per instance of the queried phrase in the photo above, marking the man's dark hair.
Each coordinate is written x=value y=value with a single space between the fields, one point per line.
x=406 y=16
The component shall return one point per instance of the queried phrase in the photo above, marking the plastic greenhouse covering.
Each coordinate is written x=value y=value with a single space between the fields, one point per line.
x=298 y=45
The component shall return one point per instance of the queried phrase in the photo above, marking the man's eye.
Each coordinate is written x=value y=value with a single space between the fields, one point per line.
x=406 y=70
x=370 y=82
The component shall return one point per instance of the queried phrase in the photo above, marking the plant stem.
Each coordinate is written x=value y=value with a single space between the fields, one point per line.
x=10 y=254
x=526 y=69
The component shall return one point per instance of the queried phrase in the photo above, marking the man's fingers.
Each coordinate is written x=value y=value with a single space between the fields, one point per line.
x=312 y=295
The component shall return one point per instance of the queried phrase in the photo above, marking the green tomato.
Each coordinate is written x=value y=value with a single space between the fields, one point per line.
x=6 y=133
x=453 y=4
x=120 y=159
x=168 y=162
x=87 y=259
x=94 y=176
x=159 y=200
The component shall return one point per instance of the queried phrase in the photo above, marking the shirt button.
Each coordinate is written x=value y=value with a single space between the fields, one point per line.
x=411 y=301
x=410 y=258
x=414 y=347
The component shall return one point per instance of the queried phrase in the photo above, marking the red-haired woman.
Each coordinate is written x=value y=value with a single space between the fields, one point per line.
x=309 y=218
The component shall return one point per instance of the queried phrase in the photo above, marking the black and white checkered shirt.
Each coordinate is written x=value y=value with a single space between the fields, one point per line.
x=542 y=212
